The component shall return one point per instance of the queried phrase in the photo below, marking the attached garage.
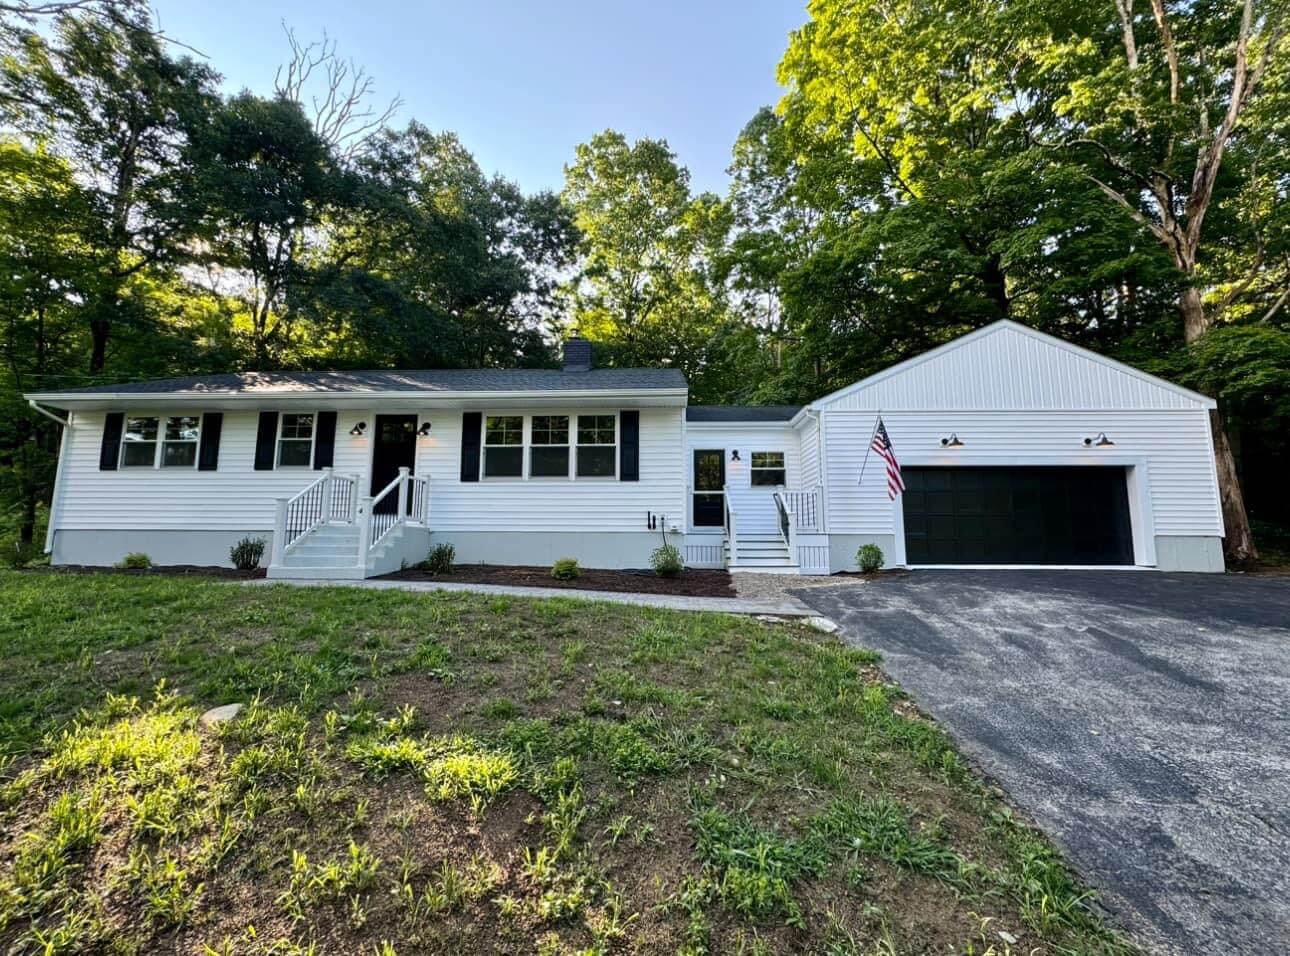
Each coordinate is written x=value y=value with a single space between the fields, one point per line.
x=1027 y=516
x=1018 y=449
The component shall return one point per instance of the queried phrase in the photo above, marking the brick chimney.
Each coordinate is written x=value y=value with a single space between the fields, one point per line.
x=577 y=354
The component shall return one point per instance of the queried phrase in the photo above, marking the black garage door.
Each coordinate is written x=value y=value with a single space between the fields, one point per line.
x=1017 y=516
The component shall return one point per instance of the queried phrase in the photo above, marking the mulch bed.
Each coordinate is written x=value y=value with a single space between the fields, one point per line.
x=168 y=570
x=690 y=583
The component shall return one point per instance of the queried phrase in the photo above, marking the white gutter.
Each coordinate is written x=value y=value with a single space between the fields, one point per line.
x=48 y=414
x=313 y=395
x=52 y=524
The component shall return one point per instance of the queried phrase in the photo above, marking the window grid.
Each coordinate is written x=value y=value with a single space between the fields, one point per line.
x=295 y=440
x=767 y=469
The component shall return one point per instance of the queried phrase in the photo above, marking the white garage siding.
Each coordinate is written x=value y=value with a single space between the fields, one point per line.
x=1174 y=447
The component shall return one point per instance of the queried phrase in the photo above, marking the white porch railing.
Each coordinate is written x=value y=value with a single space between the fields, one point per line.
x=787 y=525
x=732 y=531
x=327 y=498
x=808 y=506
x=405 y=500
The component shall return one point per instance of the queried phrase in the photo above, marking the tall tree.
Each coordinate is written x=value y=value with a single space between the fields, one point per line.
x=104 y=94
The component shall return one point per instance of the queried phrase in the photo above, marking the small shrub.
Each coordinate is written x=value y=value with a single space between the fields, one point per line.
x=247 y=554
x=440 y=558
x=869 y=557
x=566 y=569
x=135 y=561
x=666 y=561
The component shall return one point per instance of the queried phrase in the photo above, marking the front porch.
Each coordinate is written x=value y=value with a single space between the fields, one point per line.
x=328 y=530
x=760 y=530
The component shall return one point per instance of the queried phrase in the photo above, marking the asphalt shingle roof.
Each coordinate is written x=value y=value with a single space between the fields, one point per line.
x=428 y=380
x=740 y=413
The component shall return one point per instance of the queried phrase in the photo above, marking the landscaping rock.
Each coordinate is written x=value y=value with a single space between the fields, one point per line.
x=822 y=624
x=219 y=715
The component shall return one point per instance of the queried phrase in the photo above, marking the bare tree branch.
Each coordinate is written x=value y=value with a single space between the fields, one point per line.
x=336 y=92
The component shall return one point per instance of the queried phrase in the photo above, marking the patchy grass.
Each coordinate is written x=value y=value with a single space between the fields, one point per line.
x=455 y=773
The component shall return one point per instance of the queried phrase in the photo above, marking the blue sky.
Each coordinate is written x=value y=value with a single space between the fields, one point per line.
x=523 y=82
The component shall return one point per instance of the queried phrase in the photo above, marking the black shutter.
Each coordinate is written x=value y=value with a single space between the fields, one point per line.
x=629 y=446
x=113 y=423
x=265 y=437
x=325 y=440
x=208 y=453
x=471 y=424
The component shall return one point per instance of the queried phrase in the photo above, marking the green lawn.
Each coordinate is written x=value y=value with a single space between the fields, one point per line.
x=453 y=773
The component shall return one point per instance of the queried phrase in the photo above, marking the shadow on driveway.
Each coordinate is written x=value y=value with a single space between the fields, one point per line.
x=1142 y=719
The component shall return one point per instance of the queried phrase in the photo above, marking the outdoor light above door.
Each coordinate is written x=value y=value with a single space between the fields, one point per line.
x=952 y=442
x=358 y=429
x=1100 y=441
x=424 y=430
x=734 y=454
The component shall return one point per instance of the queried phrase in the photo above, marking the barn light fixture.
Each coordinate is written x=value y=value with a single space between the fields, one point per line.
x=734 y=454
x=358 y=428
x=952 y=442
x=424 y=430
x=1100 y=441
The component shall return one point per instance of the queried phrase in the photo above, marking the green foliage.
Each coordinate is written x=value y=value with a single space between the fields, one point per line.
x=440 y=558
x=869 y=558
x=667 y=561
x=566 y=569
x=135 y=561
x=247 y=554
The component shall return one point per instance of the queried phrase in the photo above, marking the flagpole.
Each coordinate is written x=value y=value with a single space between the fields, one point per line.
x=869 y=447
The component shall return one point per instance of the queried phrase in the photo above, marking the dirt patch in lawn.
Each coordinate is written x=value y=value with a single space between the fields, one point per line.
x=690 y=583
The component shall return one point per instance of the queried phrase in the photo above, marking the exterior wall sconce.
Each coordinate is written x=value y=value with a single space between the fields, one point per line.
x=424 y=430
x=951 y=442
x=734 y=454
x=358 y=429
x=1100 y=441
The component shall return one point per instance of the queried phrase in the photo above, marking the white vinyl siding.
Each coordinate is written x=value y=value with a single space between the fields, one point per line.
x=234 y=497
x=1005 y=367
x=809 y=440
x=1174 y=446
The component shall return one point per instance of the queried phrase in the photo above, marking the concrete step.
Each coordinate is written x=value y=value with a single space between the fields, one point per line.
x=280 y=572
x=294 y=560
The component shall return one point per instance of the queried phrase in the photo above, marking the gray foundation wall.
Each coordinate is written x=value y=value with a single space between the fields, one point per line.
x=843 y=548
x=107 y=547
x=593 y=549
x=1180 y=553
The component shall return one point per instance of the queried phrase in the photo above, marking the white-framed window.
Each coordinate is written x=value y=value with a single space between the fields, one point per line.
x=767 y=469
x=160 y=441
x=139 y=442
x=597 y=446
x=179 y=441
x=549 y=446
x=295 y=439
x=504 y=446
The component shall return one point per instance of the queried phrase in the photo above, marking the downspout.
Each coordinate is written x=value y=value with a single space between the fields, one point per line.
x=821 y=451
x=58 y=472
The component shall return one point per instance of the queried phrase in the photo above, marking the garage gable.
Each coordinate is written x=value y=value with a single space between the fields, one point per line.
x=1005 y=367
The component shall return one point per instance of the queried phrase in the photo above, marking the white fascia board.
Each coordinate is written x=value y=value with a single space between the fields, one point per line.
x=644 y=398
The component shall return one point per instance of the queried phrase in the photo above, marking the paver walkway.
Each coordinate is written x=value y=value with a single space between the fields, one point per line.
x=788 y=607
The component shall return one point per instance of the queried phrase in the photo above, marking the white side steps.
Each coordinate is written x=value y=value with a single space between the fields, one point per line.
x=763 y=552
x=330 y=551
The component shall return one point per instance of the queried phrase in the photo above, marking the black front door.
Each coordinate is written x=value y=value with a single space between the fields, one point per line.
x=395 y=448
x=709 y=483
x=1034 y=515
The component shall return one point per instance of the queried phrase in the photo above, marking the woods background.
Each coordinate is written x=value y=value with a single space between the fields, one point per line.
x=1114 y=172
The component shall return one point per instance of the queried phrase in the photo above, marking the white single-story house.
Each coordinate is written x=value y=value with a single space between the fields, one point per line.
x=1016 y=448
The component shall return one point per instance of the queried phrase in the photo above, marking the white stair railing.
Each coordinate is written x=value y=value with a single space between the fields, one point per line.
x=806 y=505
x=787 y=526
x=405 y=500
x=732 y=531
x=329 y=497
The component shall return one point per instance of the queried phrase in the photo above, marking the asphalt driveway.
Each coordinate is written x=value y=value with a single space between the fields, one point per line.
x=1142 y=719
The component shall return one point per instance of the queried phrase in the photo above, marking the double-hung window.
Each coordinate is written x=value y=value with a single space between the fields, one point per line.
x=296 y=440
x=504 y=446
x=549 y=447
x=767 y=469
x=151 y=442
x=597 y=446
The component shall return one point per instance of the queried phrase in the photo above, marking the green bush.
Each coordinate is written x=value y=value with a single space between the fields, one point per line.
x=666 y=561
x=566 y=569
x=135 y=561
x=247 y=554
x=440 y=558
x=869 y=557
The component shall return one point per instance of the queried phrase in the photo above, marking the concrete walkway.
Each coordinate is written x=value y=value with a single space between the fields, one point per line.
x=788 y=607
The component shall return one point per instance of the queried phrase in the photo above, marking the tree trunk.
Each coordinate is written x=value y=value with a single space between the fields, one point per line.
x=1238 y=545
x=1193 y=314
x=99 y=340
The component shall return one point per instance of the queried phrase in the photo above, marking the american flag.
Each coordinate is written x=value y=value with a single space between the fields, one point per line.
x=881 y=445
